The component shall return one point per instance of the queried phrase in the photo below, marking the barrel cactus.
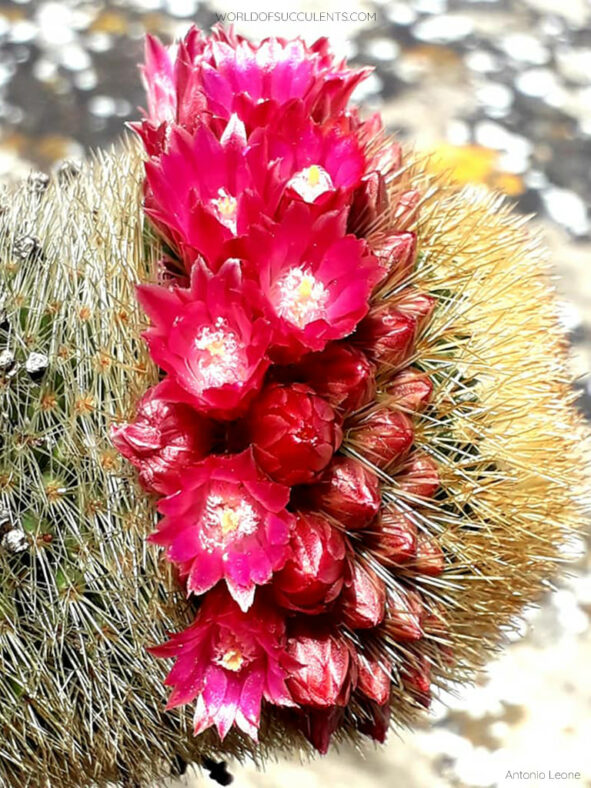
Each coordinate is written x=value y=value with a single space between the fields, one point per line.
x=441 y=488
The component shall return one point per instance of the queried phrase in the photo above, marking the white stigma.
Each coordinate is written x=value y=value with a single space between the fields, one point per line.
x=311 y=182
x=220 y=359
x=299 y=297
x=225 y=208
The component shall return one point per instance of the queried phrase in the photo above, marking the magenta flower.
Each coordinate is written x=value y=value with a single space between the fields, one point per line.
x=316 y=280
x=229 y=661
x=199 y=209
x=210 y=338
x=163 y=441
x=227 y=522
x=227 y=74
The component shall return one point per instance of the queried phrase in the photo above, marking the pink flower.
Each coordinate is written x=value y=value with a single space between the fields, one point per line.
x=164 y=440
x=228 y=521
x=395 y=537
x=211 y=339
x=313 y=576
x=227 y=73
x=203 y=192
x=410 y=390
x=294 y=433
x=316 y=280
x=229 y=661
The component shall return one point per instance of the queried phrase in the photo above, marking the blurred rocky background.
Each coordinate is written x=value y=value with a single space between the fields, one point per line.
x=499 y=90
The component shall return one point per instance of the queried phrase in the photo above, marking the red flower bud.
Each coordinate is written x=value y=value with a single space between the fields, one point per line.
x=403 y=616
x=326 y=673
x=396 y=253
x=406 y=207
x=395 y=539
x=313 y=575
x=373 y=679
x=164 y=439
x=384 y=436
x=294 y=433
x=377 y=723
x=318 y=725
x=369 y=200
x=341 y=373
x=387 y=335
x=411 y=389
x=416 y=304
x=363 y=600
x=417 y=679
x=420 y=476
x=347 y=491
x=430 y=558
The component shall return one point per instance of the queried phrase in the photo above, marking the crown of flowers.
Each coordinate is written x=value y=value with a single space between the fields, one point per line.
x=288 y=392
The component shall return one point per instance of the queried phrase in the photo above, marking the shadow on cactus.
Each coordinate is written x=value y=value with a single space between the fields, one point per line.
x=338 y=398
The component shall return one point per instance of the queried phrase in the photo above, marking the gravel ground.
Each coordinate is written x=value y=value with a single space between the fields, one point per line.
x=500 y=89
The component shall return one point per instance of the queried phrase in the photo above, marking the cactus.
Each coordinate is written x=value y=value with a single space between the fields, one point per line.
x=83 y=593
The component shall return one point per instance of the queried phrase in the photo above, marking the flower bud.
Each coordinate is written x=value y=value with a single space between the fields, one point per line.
x=377 y=722
x=395 y=538
x=417 y=305
x=363 y=599
x=313 y=576
x=417 y=679
x=341 y=373
x=384 y=436
x=294 y=433
x=411 y=390
x=369 y=200
x=347 y=491
x=397 y=254
x=326 y=673
x=387 y=335
x=373 y=679
x=165 y=439
x=318 y=725
x=430 y=559
x=404 y=612
x=420 y=476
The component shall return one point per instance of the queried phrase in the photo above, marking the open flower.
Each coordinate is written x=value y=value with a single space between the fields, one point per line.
x=210 y=338
x=228 y=521
x=164 y=440
x=315 y=279
x=227 y=73
x=229 y=661
x=198 y=208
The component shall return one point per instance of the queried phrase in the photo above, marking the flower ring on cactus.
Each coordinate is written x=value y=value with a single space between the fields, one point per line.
x=342 y=531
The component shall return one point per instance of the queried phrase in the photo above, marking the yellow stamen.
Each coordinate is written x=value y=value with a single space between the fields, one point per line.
x=230 y=520
x=314 y=175
x=305 y=288
x=232 y=660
